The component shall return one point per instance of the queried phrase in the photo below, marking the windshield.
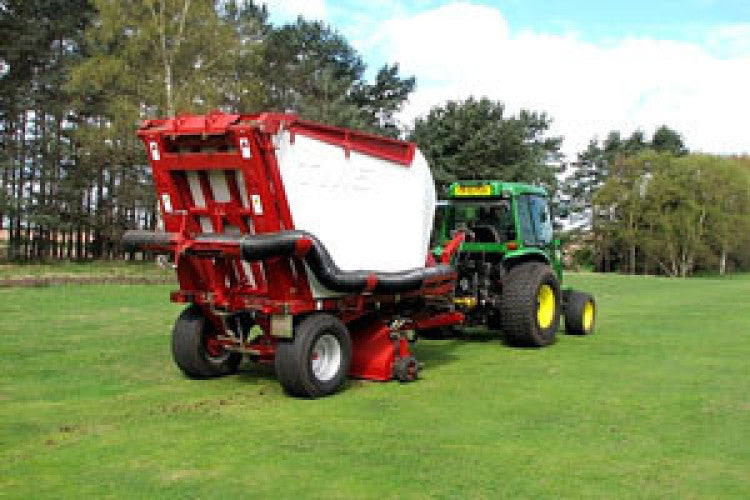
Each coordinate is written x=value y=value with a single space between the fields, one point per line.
x=488 y=221
x=536 y=223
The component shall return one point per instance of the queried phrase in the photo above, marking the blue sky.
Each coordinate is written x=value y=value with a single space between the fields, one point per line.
x=607 y=20
x=593 y=66
x=602 y=21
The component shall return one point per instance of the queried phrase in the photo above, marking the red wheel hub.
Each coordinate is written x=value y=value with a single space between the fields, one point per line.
x=214 y=347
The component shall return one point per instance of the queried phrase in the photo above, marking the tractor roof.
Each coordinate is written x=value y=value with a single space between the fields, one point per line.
x=491 y=189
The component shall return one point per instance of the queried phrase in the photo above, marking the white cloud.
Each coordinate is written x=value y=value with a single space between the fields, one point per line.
x=730 y=40
x=290 y=9
x=463 y=49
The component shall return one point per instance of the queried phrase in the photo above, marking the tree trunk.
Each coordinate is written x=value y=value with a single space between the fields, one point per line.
x=79 y=242
x=32 y=234
x=723 y=262
x=87 y=250
x=46 y=242
x=99 y=215
x=56 y=176
x=15 y=241
x=168 y=88
x=8 y=148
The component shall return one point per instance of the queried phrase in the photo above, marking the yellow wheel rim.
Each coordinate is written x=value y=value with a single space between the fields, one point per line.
x=588 y=316
x=545 y=311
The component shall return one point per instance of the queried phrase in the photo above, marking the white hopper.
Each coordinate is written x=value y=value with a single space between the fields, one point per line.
x=370 y=213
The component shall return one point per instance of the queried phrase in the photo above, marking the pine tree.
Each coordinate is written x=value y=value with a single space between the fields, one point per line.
x=475 y=139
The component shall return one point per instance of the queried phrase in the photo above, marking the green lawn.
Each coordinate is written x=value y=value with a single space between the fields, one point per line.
x=655 y=405
x=93 y=269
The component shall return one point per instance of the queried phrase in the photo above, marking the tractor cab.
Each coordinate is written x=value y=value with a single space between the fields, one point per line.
x=499 y=220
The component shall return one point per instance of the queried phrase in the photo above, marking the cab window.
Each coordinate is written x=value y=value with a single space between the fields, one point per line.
x=540 y=214
x=535 y=220
x=490 y=222
x=524 y=220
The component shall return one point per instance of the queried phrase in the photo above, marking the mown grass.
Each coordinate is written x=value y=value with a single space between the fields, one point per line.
x=93 y=269
x=655 y=405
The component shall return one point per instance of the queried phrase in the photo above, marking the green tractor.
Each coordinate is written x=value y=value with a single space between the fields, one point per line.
x=509 y=264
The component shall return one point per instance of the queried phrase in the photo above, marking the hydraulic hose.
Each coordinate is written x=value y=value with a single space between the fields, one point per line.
x=309 y=248
x=292 y=243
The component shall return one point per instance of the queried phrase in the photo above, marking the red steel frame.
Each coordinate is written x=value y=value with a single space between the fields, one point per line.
x=211 y=274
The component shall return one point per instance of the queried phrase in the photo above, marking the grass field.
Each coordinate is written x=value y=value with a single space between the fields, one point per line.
x=93 y=269
x=655 y=405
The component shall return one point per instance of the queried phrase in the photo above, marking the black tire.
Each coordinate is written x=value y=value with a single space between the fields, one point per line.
x=294 y=359
x=189 y=347
x=495 y=321
x=523 y=323
x=580 y=313
x=406 y=369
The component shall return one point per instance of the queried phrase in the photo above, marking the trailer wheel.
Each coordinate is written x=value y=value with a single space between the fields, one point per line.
x=580 y=313
x=196 y=350
x=316 y=362
x=406 y=369
x=530 y=307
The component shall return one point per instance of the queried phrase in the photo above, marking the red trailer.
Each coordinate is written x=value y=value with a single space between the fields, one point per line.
x=260 y=286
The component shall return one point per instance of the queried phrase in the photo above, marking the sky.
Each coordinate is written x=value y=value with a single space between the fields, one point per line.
x=591 y=66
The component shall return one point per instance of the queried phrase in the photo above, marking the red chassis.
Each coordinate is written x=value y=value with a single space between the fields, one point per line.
x=204 y=232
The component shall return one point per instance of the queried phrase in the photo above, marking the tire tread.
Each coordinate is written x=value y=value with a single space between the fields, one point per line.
x=292 y=365
x=518 y=306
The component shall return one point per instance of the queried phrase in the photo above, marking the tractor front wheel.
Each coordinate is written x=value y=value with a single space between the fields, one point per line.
x=580 y=313
x=530 y=306
x=316 y=362
x=196 y=349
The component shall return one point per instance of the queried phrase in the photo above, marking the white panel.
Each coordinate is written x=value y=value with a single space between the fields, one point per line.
x=195 y=189
x=250 y=225
x=248 y=268
x=370 y=213
x=242 y=188
x=217 y=179
x=198 y=199
x=206 y=225
x=235 y=231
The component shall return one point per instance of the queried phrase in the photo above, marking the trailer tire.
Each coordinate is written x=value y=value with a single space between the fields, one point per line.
x=580 y=313
x=191 y=351
x=530 y=306
x=316 y=362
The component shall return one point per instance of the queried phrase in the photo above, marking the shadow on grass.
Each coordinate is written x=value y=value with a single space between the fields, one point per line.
x=250 y=370
x=435 y=353
x=439 y=352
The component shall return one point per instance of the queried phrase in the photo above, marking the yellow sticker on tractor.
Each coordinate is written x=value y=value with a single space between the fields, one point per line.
x=485 y=190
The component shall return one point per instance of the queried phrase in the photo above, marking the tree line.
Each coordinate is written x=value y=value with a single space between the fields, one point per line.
x=78 y=76
x=653 y=207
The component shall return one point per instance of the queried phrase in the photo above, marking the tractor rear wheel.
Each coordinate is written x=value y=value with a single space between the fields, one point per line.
x=316 y=362
x=196 y=350
x=530 y=306
x=580 y=313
